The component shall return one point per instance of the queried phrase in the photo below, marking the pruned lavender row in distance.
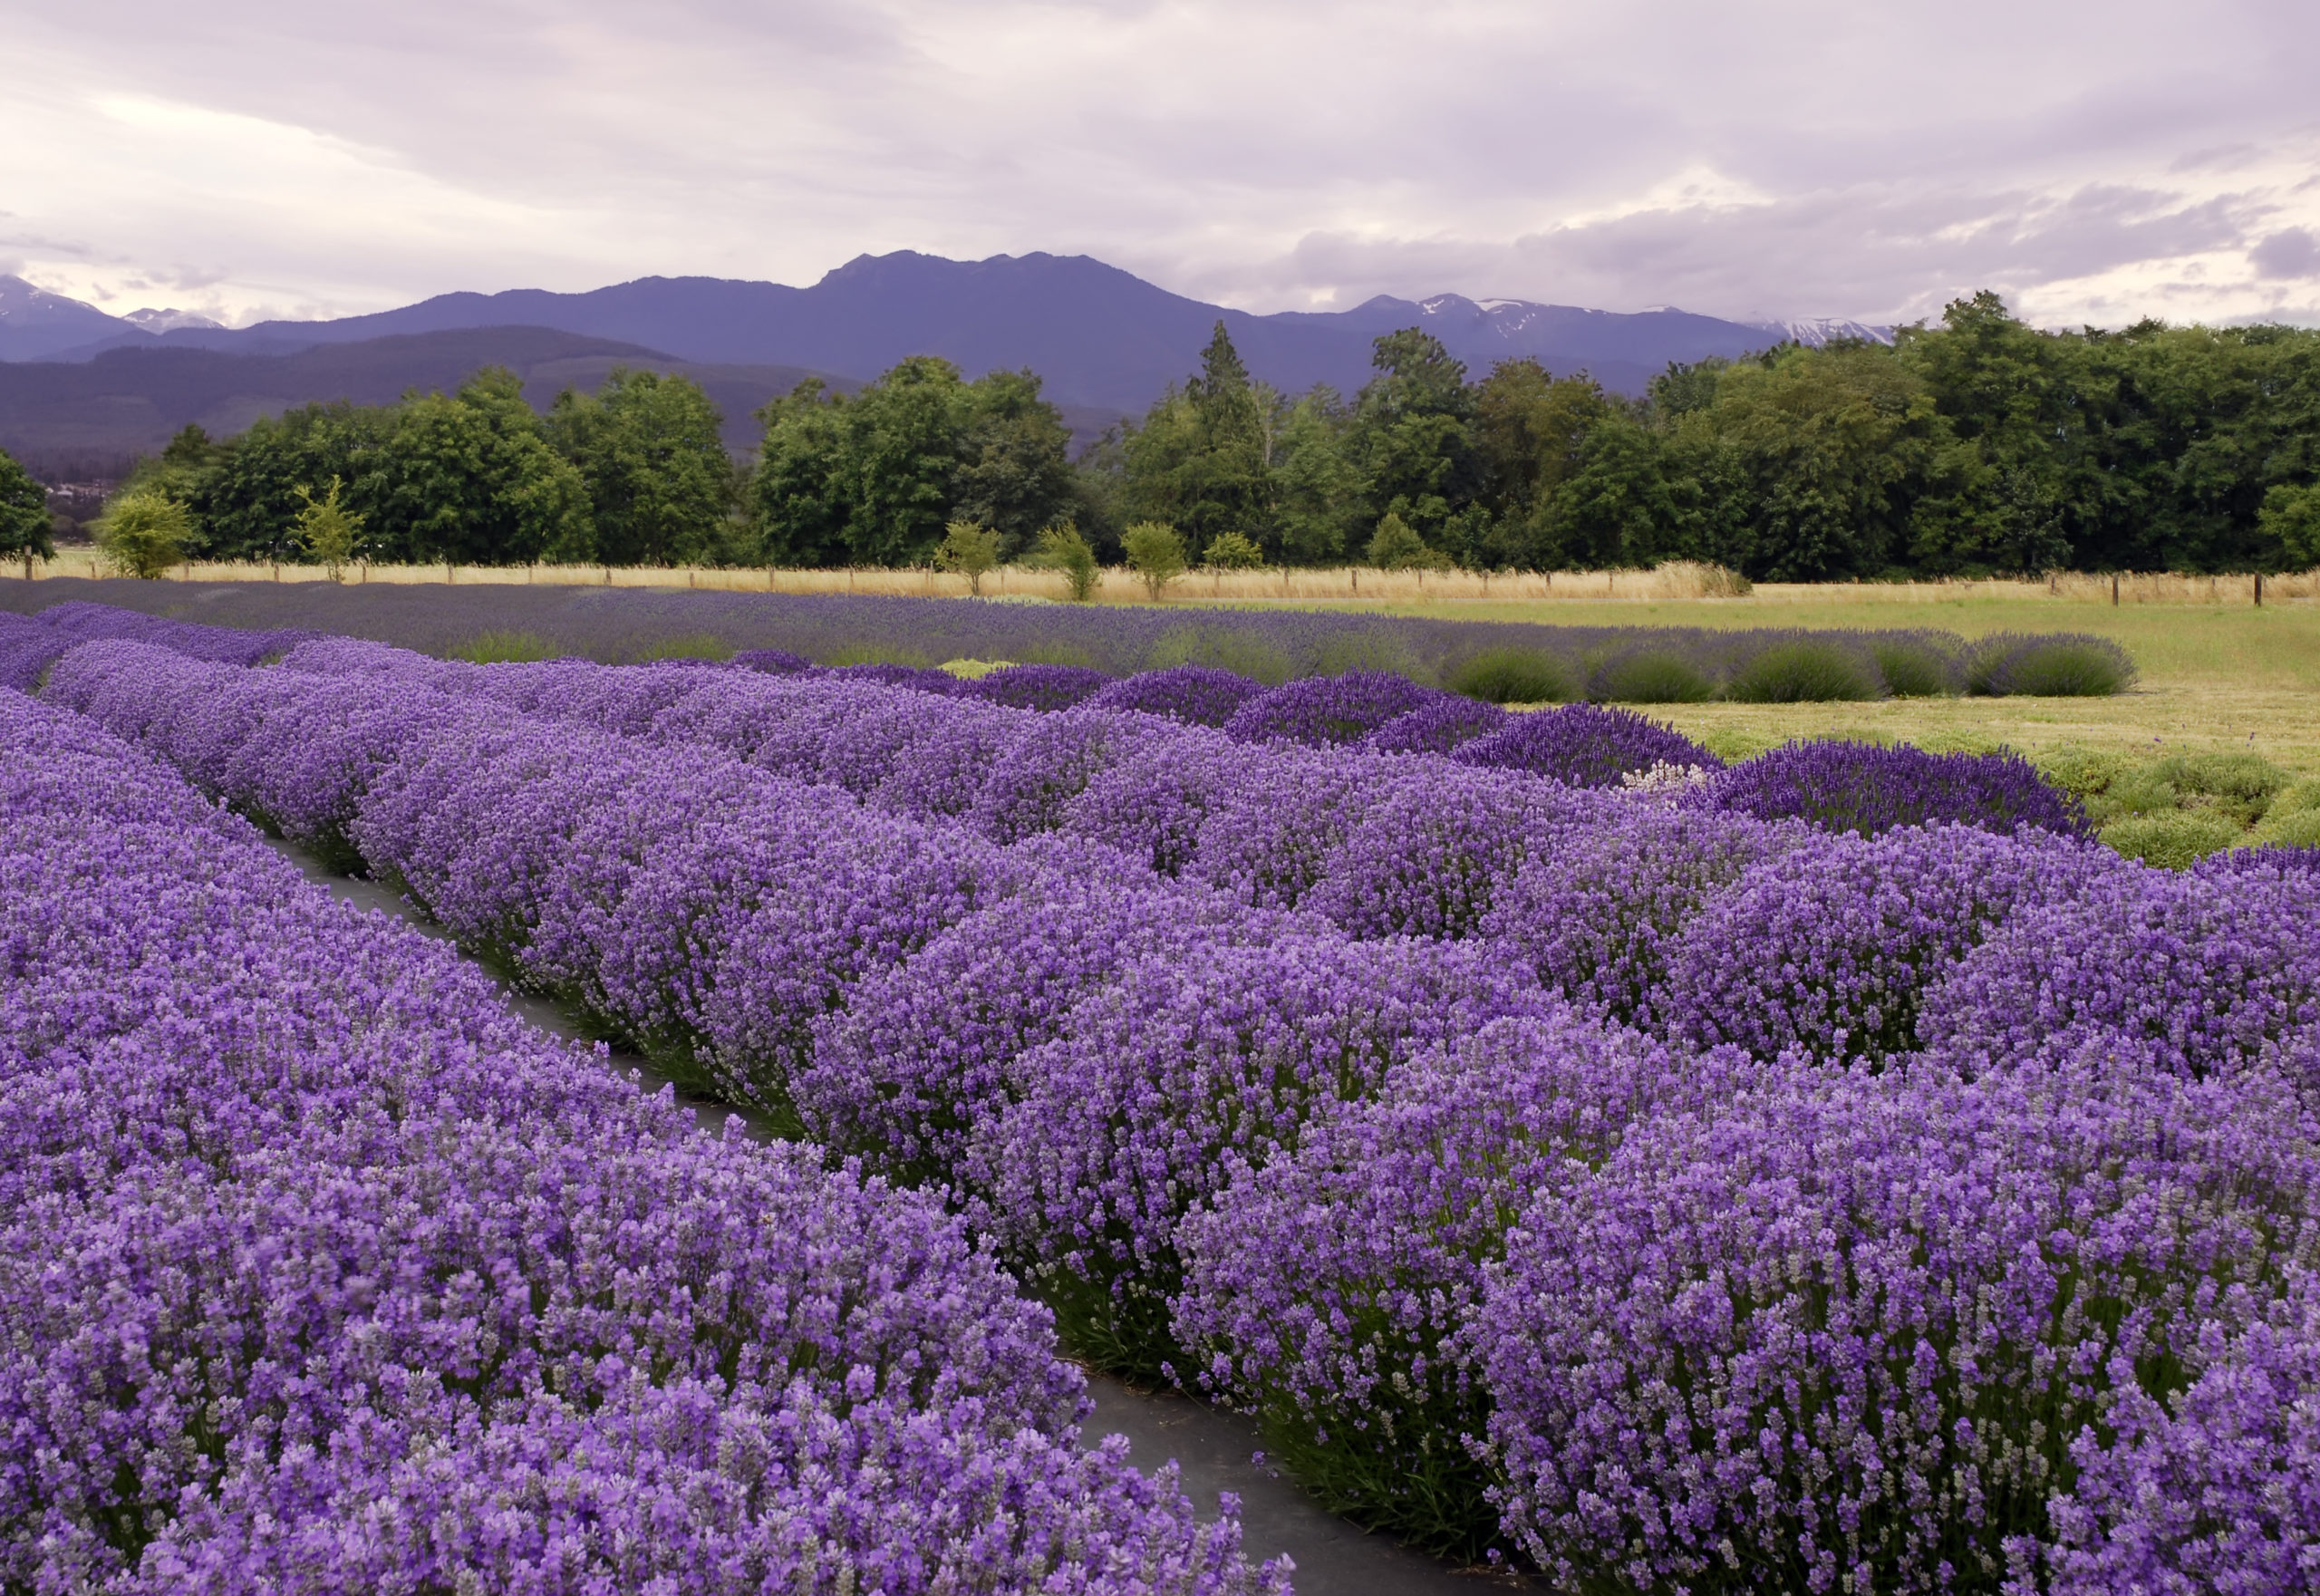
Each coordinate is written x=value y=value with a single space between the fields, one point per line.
x=1272 y=647
x=1140 y=998
x=320 y=1273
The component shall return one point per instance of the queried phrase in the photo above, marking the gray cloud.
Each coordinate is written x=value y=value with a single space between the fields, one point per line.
x=2293 y=253
x=1785 y=157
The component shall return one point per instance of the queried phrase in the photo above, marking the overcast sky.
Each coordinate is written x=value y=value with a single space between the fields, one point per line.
x=2095 y=162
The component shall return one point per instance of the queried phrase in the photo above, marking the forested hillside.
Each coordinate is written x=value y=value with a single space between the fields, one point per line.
x=1977 y=445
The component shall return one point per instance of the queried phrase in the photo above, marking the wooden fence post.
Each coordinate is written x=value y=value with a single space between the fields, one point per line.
x=2259 y=587
x=2115 y=590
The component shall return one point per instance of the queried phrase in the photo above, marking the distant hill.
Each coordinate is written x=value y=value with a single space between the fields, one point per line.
x=1100 y=336
x=129 y=400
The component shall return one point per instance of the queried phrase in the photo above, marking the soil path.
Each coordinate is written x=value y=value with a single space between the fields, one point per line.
x=1213 y=1450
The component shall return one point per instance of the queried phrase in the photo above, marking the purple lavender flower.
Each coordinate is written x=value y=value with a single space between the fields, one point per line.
x=1037 y=687
x=1599 y=914
x=1845 y=1331
x=1428 y=856
x=1328 y=1291
x=2212 y=973
x=1861 y=787
x=1197 y=695
x=1321 y=711
x=1122 y=1123
x=2213 y=1489
x=1435 y=728
x=1582 y=745
x=773 y=661
x=1830 y=945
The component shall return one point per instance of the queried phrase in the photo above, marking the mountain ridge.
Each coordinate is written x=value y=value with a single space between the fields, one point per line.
x=1099 y=335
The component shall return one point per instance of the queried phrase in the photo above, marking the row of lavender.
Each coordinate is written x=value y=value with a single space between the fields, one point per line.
x=381 y=1288
x=320 y=1273
x=1227 y=1138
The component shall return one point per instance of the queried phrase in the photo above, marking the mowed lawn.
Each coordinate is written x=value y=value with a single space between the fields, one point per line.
x=2213 y=677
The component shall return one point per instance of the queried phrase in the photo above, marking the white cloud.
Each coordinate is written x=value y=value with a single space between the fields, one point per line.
x=1787 y=157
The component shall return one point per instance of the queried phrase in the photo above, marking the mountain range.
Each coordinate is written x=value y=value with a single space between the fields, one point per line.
x=1106 y=341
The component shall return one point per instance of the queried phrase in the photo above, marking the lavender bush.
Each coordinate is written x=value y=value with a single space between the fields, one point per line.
x=322 y=1272
x=1197 y=695
x=1848 y=1332
x=1329 y=1291
x=1583 y=745
x=1322 y=711
x=1599 y=915
x=1037 y=687
x=2212 y=975
x=1435 y=728
x=1860 y=787
x=1122 y=1123
x=1071 y=968
x=1829 y=946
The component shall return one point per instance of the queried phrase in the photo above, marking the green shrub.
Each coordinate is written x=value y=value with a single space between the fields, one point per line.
x=877 y=654
x=1062 y=549
x=2296 y=828
x=1513 y=676
x=1911 y=671
x=143 y=533
x=2240 y=785
x=1232 y=551
x=1225 y=649
x=1367 y=650
x=1053 y=654
x=2063 y=667
x=505 y=648
x=692 y=645
x=1802 y=673
x=2175 y=840
x=2082 y=773
x=1653 y=677
x=2304 y=796
x=1155 y=553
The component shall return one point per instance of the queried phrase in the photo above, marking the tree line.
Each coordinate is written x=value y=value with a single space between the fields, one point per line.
x=1975 y=446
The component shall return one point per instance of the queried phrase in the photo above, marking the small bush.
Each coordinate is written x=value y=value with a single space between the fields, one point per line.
x=2049 y=667
x=877 y=654
x=2241 y=785
x=1652 y=677
x=1049 y=688
x=1156 y=553
x=506 y=647
x=1840 y=786
x=1802 y=673
x=2174 y=840
x=1379 y=652
x=2082 y=773
x=692 y=645
x=1231 y=551
x=1242 y=653
x=2297 y=829
x=1062 y=549
x=1582 y=746
x=1513 y=676
x=1911 y=669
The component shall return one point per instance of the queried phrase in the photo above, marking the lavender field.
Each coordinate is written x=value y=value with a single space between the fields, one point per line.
x=1835 y=1172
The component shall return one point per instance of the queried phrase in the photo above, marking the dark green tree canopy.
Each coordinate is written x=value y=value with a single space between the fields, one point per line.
x=24 y=513
x=876 y=478
x=1976 y=445
x=659 y=484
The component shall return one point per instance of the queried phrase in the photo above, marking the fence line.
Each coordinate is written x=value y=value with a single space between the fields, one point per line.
x=1665 y=584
